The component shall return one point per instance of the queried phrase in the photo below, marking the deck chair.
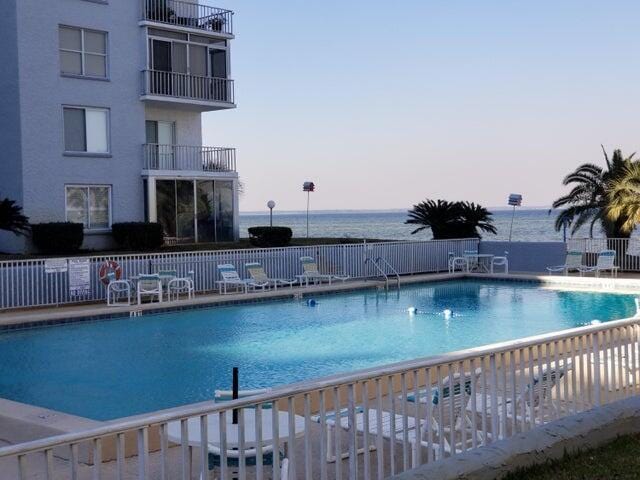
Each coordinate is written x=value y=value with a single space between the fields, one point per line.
x=310 y=271
x=454 y=262
x=572 y=263
x=230 y=277
x=149 y=286
x=605 y=263
x=540 y=389
x=260 y=278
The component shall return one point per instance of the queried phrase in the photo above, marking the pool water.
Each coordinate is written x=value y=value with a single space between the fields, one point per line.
x=109 y=369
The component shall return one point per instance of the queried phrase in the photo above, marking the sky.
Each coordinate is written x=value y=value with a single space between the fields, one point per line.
x=385 y=104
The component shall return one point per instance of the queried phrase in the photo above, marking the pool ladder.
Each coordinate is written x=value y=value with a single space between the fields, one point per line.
x=376 y=263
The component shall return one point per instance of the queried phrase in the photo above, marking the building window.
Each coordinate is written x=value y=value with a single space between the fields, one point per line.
x=89 y=205
x=83 y=52
x=86 y=130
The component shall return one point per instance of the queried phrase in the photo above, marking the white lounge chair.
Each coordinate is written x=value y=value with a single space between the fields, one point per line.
x=230 y=277
x=310 y=271
x=540 y=391
x=605 y=263
x=149 y=286
x=443 y=403
x=572 y=263
x=259 y=277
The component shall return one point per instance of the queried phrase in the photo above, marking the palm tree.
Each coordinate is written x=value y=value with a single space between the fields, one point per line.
x=451 y=219
x=587 y=201
x=623 y=207
x=12 y=219
x=475 y=217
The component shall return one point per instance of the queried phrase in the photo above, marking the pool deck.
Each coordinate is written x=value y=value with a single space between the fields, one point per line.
x=32 y=317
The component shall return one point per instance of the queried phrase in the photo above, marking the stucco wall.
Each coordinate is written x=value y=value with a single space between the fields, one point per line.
x=188 y=125
x=10 y=157
x=527 y=256
x=44 y=91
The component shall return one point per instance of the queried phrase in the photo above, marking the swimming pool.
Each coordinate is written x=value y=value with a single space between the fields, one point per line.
x=109 y=369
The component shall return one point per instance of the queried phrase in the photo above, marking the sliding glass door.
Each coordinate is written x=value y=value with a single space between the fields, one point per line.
x=203 y=215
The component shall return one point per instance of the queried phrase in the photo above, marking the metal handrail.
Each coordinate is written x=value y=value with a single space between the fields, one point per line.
x=390 y=267
x=382 y=272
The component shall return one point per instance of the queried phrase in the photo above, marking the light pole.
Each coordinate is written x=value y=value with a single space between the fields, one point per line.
x=308 y=187
x=271 y=205
x=515 y=200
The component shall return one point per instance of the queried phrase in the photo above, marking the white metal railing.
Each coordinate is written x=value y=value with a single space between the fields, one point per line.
x=24 y=283
x=183 y=85
x=627 y=250
x=188 y=14
x=483 y=395
x=193 y=158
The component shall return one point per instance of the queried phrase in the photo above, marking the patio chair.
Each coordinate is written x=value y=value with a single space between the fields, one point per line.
x=540 y=390
x=455 y=262
x=572 y=263
x=500 y=262
x=438 y=396
x=117 y=288
x=181 y=285
x=310 y=271
x=230 y=277
x=149 y=286
x=605 y=263
x=260 y=278
x=472 y=260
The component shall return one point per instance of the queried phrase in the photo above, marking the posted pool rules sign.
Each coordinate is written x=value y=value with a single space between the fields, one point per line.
x=79 y=277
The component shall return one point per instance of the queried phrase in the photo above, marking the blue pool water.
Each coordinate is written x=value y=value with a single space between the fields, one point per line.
x=109 y=369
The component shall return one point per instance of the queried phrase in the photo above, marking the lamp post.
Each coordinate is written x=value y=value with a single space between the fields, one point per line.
x=271 y=205
x=308 y=187
x=515 y=200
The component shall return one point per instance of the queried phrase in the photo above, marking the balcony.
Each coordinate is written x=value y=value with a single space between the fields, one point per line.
x=201 y=93
x=192 y=159
x=188 y=15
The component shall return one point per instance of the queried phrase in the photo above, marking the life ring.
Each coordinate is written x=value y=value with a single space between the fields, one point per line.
x=109 y=266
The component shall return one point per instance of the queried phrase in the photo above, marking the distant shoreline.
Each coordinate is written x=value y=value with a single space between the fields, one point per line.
x=392 y=210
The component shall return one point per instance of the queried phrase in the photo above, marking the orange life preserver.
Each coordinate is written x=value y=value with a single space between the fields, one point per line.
x=109 y=266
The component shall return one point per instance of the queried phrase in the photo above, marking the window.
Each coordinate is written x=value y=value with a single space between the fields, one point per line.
x=89 y=205
x=86 y=130
x=83 y=52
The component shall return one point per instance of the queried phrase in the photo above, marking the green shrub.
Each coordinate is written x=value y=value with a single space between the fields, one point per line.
x=138 y=235
x=270 y=236
x=57 y=237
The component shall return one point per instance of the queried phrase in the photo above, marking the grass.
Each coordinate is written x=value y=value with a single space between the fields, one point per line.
x=243 y=243
x=619 y=459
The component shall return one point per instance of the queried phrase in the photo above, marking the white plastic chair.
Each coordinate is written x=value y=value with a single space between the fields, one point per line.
x=605 y=263
x=230 y=277
x=259 y=277
x=573 y=262
x=500 y=262
x=116 y=288
x=149 y=286
x=181 y=285
x=455 y=262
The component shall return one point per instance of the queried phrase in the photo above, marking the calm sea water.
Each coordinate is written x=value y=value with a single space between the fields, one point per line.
x=533 y=225
x=109 y=369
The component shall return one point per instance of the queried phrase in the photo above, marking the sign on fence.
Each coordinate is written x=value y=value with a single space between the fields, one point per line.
x=55 y=265
x=79 y=277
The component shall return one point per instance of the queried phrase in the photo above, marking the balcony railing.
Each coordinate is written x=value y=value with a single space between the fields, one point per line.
x=189 y=158
x=192 y=87
x=189 y=15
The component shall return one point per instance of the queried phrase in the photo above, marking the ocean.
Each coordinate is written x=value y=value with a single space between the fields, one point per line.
x=531 y=225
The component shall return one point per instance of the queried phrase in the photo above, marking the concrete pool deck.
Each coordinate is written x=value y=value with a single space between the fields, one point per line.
x=32 y=317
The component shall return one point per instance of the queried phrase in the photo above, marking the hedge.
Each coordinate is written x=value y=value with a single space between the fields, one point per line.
x=138 y=235
x=57 y=237
x=270 y=236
